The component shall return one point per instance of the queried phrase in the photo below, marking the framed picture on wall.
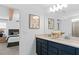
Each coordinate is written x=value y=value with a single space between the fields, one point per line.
x=34 y=21
x=50 y=23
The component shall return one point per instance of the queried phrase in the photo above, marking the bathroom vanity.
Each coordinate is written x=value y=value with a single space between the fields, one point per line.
x=46 y=45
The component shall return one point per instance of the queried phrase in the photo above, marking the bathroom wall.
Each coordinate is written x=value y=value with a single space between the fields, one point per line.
x=27 y=36
x=27 y=39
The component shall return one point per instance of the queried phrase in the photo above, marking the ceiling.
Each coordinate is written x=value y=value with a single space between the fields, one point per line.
x=70 y=10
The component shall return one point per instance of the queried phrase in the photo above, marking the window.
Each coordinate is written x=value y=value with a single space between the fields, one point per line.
x=2 y=25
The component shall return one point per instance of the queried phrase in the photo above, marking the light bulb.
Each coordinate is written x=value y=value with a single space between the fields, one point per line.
x=61 y=6
x=56 y=7
x=51 y=9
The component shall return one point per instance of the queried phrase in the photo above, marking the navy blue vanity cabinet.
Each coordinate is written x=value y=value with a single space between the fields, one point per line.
x=41 y=46
x=45 y=47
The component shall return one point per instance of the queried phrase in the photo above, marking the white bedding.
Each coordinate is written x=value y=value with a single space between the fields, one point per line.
x=13 y=39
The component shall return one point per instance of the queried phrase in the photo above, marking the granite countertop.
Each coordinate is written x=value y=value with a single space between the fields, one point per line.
x=73 y=41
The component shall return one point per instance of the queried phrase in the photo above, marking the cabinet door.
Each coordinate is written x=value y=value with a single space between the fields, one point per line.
x=77 y=51
x=41 y=46
x=68 y=49
x=44 y=51
x=52 y=50
x=44 y=43
x=54 y=44
x=38 y=46
x=44 y=47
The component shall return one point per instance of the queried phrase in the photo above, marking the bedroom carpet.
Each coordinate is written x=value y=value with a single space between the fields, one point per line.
x=8 y=51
